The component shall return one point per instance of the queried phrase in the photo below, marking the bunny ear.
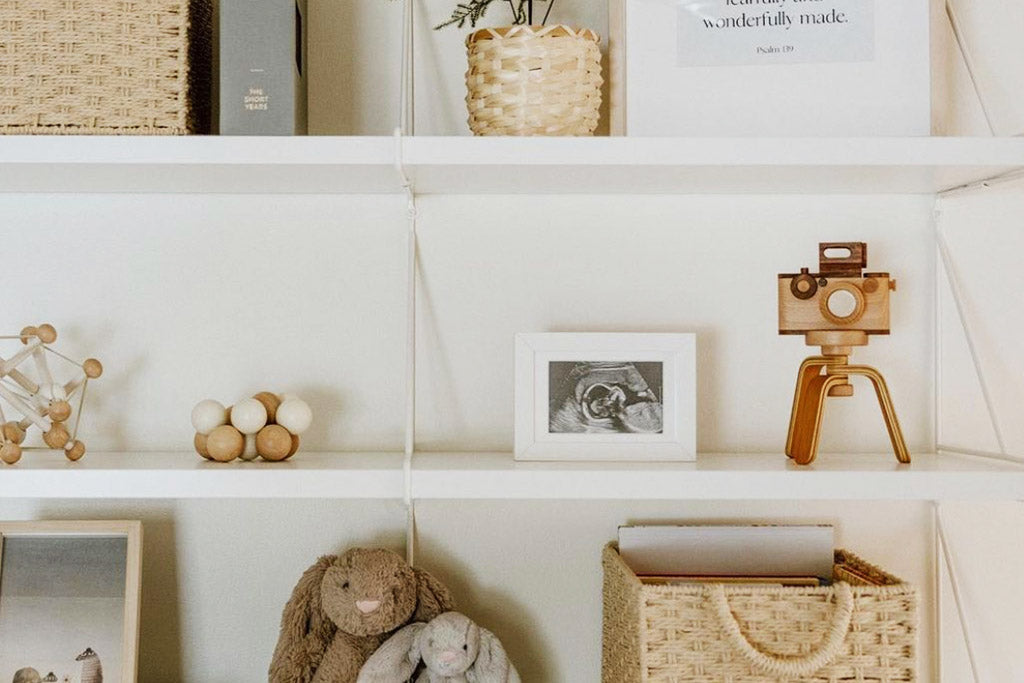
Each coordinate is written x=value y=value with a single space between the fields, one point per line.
x=396 y=659
x=433 y=597
x=491 y=665
x=306 y=630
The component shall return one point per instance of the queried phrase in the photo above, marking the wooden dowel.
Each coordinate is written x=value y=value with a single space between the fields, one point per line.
x=42 y=367
x=14 y=361
x=24 y=408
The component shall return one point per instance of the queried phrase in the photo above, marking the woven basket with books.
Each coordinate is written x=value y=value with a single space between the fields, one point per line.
x=105 y=66
x=863 y=627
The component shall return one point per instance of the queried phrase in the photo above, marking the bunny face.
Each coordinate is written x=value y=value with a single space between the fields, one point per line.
x=449 y=644
x=369 y=591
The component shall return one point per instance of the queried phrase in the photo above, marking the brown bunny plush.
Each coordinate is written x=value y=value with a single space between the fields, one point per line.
x=344 y=607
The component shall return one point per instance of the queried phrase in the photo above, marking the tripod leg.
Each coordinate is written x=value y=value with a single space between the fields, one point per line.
x=892 y=423
x=809 y=369
x=808 y=418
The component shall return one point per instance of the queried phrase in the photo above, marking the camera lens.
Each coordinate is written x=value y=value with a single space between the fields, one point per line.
x=843 y=304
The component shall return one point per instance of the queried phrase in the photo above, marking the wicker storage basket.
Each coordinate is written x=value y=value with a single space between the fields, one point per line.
x=105 y=66
x=712 y=633
x=533 y=80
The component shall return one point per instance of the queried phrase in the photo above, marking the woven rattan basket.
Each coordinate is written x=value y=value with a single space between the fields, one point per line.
x=849 y=631
x=105 y=66
x=533 y=80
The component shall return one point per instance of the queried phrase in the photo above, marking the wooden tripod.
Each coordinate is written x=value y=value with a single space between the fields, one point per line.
x=829 y=375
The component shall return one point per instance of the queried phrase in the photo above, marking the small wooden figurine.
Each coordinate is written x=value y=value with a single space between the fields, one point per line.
x=836 y=309
x=38 y=399
x=266 y=426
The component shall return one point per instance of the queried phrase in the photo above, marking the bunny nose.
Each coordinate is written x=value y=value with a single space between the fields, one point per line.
x=448 y=656
x=367 y=606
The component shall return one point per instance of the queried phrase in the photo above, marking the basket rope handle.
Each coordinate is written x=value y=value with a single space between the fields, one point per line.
x=787 y=667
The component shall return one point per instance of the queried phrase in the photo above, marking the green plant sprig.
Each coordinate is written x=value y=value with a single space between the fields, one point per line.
x=473 y=11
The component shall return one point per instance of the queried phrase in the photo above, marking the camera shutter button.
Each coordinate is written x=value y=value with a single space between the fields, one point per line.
x=803 y=286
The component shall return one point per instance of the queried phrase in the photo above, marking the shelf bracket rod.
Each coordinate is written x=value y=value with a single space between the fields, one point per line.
x=961 y=44
x=410 y=351
x=954 y=582
x=958 y=300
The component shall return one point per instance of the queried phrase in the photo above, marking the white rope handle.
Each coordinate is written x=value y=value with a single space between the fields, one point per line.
x=786 y=667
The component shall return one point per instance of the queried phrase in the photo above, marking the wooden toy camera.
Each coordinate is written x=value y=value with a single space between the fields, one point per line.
x=836 y=309
x=840 y=296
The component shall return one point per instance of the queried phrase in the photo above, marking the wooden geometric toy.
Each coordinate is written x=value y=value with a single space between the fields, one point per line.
x=837 y=309
x=28 y=387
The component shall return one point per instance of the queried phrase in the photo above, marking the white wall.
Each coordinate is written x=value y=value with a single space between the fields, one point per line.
x=185 y=297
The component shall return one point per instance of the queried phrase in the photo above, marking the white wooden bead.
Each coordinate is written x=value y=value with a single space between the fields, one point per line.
x=208 y=415
x=249 y=416
x=249 y=452
x=295 y=415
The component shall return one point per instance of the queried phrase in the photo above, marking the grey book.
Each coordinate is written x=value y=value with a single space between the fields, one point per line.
x=263 y=67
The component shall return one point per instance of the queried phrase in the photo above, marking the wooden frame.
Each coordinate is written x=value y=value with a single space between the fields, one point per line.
x=566 y=363
x=132 y=532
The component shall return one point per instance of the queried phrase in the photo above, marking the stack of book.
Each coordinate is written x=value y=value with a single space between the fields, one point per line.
x=759 y=554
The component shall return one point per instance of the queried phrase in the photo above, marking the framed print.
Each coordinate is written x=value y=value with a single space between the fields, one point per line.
x=769 y=68
x=605 y=397
x=69 y=601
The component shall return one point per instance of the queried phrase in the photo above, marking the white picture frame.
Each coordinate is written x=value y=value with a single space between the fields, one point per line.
x=768 y=91
x=581 y=396
x=86 y=564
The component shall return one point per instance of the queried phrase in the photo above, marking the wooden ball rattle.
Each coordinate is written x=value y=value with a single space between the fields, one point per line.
x=28 y=386
x=264 y=426
x=248 y=416
x=208 y=415
x=199 y=443
x=274 y=443
x=295 y=415
x=225 y=443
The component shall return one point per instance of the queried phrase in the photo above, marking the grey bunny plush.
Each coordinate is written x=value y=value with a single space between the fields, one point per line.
x=451 y=646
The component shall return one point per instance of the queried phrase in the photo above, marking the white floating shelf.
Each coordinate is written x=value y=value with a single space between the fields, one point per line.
x=720 y=476
x=463 y=165
x=468 y=165
x=186 y=475
x=499 y=476
x=199 y=164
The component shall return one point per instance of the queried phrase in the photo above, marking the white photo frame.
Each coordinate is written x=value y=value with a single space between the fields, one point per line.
x=599 y=396
x=70 y=599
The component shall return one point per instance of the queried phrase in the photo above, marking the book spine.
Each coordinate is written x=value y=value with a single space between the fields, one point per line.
x=262 y=69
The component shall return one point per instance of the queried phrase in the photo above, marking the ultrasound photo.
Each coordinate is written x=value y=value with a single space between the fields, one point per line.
x=605 y=397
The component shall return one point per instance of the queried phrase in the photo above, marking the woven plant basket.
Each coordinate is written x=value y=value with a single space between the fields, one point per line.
x=533 y=80
x=105 y=66
x=711 y=633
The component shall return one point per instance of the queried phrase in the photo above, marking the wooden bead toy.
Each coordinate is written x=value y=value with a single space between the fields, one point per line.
x=74 y=451
x=270 y=402
x=93 y=368
x=208 y=415
x=295 y=445
x=225 y=443
x=248 y=416
x=59 y=410
x=28 y=386
x=57 y=436
x=12 y=432
x=274 y=443
x=249 y=453
x=199 y=443
x=294 y=415
x=10 y=452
